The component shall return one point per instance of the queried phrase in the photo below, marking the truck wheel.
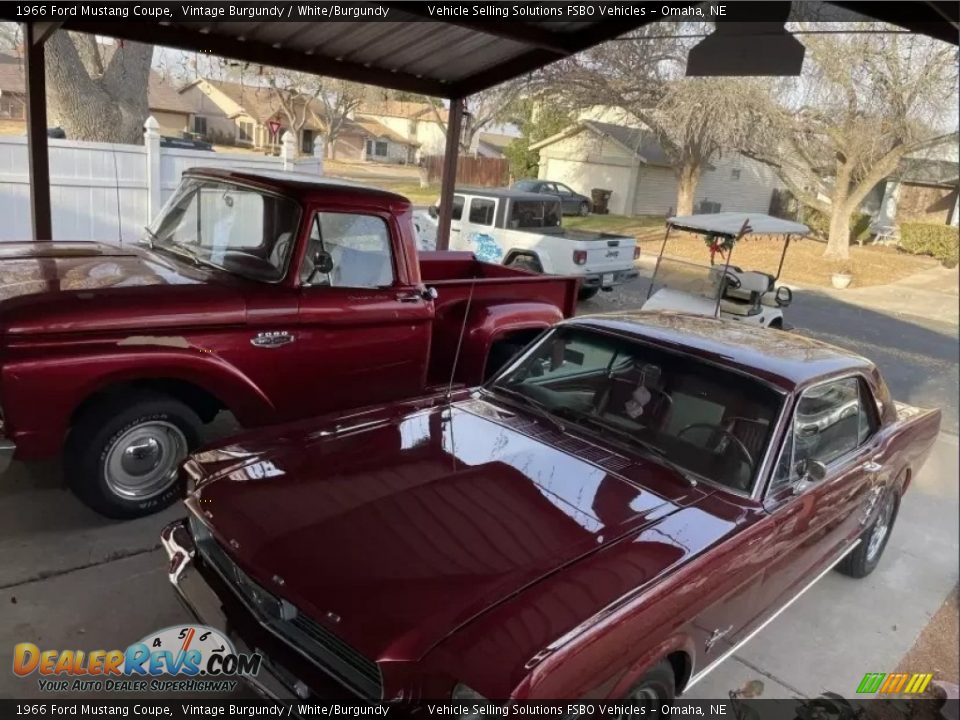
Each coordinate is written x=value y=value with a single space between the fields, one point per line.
x=584 y=208
x=586 y=293
x=525 y=262
x=865 y=558
x=123 y=454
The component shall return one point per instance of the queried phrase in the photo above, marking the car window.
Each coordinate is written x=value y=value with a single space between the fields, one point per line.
x=710 y=421
x=457 y=212
x=245 y=231
x=564 y=190
x=481 y=211
x=535 y=213
x=831 y=420
x=359 y=246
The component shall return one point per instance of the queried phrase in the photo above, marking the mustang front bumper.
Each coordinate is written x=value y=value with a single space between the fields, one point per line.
x=205 y=605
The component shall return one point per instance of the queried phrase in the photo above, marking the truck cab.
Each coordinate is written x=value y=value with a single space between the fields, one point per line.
x=275 y=296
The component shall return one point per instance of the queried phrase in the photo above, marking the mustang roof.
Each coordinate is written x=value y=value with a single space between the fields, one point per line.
x=729 y=223
x=786 y=359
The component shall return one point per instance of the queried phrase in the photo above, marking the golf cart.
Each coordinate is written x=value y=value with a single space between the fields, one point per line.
x=722 y=289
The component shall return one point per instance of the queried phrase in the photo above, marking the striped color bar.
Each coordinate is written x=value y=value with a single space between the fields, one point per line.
x=894 y=683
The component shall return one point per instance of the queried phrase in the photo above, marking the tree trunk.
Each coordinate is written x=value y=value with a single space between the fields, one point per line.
x=687 y=180
x=838 y=241
x=107 y=107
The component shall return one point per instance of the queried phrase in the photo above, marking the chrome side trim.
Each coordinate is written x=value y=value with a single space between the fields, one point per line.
x=703 y=673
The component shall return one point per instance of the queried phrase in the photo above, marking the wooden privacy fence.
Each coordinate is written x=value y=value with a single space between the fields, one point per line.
x=481 y=171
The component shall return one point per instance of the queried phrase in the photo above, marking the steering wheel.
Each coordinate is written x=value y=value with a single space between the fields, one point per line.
x=718 y=430
x=732 y=280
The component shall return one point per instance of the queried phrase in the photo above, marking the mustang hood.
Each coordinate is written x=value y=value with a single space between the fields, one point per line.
x=77 y=286
x=395 y=534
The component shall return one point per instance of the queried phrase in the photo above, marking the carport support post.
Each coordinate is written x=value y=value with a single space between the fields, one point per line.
x=38 y=162
x=449 y=179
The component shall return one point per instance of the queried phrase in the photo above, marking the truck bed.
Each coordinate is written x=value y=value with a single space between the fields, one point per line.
x=453 y=273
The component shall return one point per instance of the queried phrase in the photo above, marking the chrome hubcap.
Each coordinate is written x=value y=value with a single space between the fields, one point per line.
x=143 y=461
x=880 y=528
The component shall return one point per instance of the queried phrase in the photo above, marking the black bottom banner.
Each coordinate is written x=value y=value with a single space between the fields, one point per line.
x=826 y=708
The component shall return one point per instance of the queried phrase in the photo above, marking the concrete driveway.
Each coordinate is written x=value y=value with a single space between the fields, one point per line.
x=70 y=579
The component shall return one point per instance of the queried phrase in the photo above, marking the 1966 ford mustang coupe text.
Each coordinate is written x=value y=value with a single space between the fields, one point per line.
x=608 y=517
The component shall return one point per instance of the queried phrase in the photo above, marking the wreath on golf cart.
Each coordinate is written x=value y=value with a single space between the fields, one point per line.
x=718 y=244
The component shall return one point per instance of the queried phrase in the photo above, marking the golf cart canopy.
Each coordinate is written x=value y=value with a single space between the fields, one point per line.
x=730 y=224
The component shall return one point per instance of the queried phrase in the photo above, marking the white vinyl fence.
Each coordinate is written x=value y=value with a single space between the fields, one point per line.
x=107 y=191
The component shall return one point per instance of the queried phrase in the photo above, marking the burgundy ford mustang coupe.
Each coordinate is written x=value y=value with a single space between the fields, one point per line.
x=609 y=517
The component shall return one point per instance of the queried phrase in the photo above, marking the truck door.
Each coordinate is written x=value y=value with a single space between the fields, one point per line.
x=364 y=335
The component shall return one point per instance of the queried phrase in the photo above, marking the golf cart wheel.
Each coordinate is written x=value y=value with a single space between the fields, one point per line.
x=585 y=293
x=584 y=208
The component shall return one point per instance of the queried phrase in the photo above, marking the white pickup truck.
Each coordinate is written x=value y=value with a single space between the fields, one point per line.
x=522 y=229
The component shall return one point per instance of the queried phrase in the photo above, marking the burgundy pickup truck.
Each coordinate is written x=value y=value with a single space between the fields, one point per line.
x=611 y=516
x=275 y=296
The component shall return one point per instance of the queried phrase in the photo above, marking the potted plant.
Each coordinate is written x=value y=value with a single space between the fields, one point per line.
x=841 y=277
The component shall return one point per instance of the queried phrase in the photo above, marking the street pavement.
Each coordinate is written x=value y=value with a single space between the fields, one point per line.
x=71 y=579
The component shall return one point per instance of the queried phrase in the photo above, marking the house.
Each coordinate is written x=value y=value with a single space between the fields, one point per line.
x=490 y=145
x=164 y=102
x=419 y=123
x=232 y=113
x=243 y=114
x=923 y=189
x=628 y=160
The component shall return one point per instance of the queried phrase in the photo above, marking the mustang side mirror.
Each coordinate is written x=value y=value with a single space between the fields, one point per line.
x=432 y=212
x=810 y=471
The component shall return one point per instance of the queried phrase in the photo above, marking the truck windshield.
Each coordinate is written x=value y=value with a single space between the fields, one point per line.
x=535 y=213
x=240 y=229
x=702 y=420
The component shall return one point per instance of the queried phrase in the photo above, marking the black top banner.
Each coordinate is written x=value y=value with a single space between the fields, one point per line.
x=732 y=709
x=415 y=10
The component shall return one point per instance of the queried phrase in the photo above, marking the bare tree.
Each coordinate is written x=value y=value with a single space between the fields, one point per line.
x=695 y=120
x=301 y=97
x=864 y=102
x=335 y=105
x=98 y=92
x=485 y=108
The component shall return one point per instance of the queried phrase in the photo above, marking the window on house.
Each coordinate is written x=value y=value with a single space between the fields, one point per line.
x=245 y=131
x=200 y=125
x=735 y=174
x=376 y=148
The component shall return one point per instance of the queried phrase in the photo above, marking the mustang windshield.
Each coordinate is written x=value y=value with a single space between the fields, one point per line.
x=236 y=228
x=705 y=421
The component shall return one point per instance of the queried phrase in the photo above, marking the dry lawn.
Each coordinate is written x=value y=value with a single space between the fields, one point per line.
x=804 y=265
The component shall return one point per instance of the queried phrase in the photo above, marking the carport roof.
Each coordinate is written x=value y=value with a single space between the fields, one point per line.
x=418 y=51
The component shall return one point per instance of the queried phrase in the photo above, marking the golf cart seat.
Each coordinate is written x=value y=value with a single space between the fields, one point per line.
x=743 y=290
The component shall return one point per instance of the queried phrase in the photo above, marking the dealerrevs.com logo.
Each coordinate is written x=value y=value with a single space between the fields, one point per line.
x=199 y=658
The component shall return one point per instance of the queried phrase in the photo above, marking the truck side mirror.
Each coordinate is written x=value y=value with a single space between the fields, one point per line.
x=322 y=262
x=432 y=212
